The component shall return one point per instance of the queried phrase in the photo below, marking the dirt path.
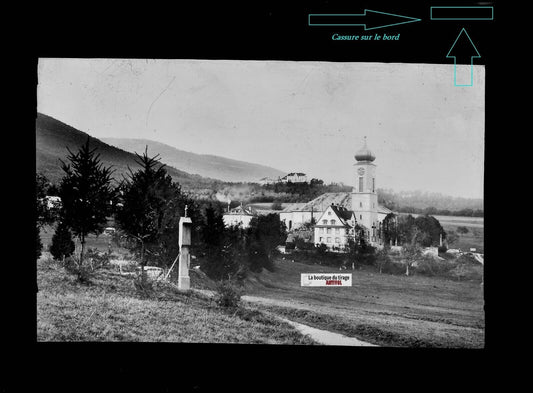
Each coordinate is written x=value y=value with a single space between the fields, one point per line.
x=326 y=337
x=321 y=336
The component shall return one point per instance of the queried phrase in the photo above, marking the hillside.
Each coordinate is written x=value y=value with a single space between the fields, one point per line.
x=53 y=137
x=205 y=165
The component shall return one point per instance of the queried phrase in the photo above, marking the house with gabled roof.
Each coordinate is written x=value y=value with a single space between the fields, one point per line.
x=334 y=227
x=239 y=216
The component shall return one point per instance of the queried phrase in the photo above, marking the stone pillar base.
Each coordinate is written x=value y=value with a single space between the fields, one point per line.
x=184 y=282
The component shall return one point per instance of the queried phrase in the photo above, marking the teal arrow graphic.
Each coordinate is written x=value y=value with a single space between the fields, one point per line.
x=370 y=19
x=464 y=49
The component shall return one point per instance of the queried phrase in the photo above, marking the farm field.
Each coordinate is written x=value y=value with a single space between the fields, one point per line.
x=387 y=310
x=474 y=222
x=473 y=239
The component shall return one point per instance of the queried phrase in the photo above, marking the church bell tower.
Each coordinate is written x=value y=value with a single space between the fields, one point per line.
x=364 y=194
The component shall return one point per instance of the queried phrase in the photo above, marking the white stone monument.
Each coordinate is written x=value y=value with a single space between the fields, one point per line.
x=185 y=227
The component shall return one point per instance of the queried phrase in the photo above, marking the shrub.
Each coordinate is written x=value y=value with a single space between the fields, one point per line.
x=98 y=259
x=462 y=230
x=467 y=259
x=442 y=249
x=301 y=244
x=321 y=249
x=62 y=244
x=228 y=295
x=429 y=266
x=290 y=246
x=390 y=267
x=83 y=273
x=143 y=285
x=469 y=272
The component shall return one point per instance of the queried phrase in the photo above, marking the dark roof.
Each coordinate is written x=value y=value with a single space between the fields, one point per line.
x=295 y=173
x=342 y=212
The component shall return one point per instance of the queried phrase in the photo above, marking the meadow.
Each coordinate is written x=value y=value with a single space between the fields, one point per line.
x=384 y=309
x=111 y=309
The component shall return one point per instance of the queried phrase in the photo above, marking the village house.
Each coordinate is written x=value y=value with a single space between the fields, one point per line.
x=334 y=227
x=239 y=216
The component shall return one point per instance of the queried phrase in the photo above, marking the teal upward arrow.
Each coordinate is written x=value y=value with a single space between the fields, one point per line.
x=464 y=49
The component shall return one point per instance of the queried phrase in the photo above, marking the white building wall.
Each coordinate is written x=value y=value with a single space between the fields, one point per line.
x=237 y=219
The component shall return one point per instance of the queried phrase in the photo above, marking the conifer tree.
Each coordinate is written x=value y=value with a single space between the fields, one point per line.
x=151 y=207
x=62 y=244
x=86 y=194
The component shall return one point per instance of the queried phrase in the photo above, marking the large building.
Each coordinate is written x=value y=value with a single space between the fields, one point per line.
x=362 y=201
x=294 y=177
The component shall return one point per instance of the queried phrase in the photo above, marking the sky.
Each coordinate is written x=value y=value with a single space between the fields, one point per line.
x=311 y=117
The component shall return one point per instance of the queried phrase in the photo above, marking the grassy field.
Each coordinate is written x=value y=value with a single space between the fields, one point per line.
x=473 y=239
x=383 y=309
x=387 y=310
x=111 y=309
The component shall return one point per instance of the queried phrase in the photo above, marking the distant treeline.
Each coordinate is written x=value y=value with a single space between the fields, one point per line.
x=418 y=202
x=444 y=212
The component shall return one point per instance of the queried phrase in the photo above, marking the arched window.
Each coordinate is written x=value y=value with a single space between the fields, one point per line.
x=332 y=222
x=324 y=222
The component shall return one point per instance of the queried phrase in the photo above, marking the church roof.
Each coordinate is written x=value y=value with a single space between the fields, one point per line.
x=321 y=203
x=293 y=207
x=384 y=210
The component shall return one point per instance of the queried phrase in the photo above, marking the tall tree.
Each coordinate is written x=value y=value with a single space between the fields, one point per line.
x=86 y=194
x=430 y=226
x=411 y=250
x=264 y=234
x=224 y=248
x=151 y=206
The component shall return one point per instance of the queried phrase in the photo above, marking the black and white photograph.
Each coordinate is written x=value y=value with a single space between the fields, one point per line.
x=277 y=202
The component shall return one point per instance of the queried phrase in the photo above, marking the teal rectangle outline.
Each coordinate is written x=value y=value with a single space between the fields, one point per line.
x=478 y=7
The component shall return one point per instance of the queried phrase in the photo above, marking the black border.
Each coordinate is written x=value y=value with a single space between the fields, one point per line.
x=260 y=32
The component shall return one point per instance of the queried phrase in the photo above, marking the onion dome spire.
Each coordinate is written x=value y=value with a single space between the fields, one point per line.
x=365 y=154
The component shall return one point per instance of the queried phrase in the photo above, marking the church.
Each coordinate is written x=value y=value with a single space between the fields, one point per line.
x=337 y=215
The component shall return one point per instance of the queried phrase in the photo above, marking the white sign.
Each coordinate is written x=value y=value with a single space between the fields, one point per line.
x=326 y=280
